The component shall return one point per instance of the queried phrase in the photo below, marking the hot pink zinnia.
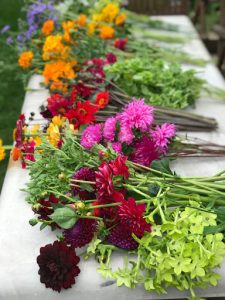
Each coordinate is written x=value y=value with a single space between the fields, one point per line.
x=109 y=129
x=162 y=134
x=91 y=136
x=137 y=115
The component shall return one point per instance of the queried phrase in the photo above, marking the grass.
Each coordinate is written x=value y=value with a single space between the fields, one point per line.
x=11 y=88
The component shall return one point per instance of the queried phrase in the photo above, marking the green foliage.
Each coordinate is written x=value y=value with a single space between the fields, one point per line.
x=65 y=217
x=160 y=84
x=175 y=253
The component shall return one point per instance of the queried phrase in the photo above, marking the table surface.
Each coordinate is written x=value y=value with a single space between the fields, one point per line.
x=20 y=243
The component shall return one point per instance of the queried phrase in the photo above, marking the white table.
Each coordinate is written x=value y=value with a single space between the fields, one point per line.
x=20 y=243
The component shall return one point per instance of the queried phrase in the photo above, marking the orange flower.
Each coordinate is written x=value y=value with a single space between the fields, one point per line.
x=54 y=48
x=120 y=20
x=2 y=151
x=106 y=32
x=48 y=27
x=56 y=72
x=67 y=27
x=15 y=153
x=81 y=20
x=25 y=59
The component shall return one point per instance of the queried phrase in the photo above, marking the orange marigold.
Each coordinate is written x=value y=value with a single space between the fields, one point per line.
x=25 y=59
x=2 y=151
x=120 y=20
x=48 y=27
x=15 y=153
x=54 y=48
x=107 y=32
x=81 y=20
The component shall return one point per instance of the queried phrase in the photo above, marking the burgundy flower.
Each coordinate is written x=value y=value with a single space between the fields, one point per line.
x=86 y=174
x=132 y=217
x=81 y=233
x=119 y=166
x=58 y=266
x=19 y=131
x=111 y=58
x=81 y=90
x=121 y=237
x=144 y=152
x=104 y=182
x=121 y=43
x=58 y=105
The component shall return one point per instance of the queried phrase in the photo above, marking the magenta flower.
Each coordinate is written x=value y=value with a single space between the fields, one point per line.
x=145 y=151
x=162 y=134
x=117 y=147
x=91 y=135
x=109 y=129
x=126 y=135
x=137 y=115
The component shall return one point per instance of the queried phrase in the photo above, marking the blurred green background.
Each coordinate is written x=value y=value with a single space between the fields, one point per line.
x=11 y=88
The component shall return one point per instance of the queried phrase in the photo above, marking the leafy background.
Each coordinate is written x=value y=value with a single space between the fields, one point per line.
x=11 y=88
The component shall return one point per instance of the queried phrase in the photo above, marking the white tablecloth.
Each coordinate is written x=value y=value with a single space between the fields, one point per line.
x=20 y=243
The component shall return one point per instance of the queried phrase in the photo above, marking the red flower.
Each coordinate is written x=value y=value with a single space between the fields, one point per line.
x=57 y=105
x=86 y=112
x=72 y=117
x=111 y=58
x=119 y=166
x=19 y=131
x=131 y=216
x=121 y=43
x=58 y=266
x=102 y=99
x=104 y=182
x=81 y=90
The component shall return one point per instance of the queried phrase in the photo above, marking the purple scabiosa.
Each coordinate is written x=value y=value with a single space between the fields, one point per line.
x=162 y=134
x=58 y=266
x=5 y=29
x=86 y=174
x=144 y=152
x=91 y=135
x=81 y=233
x=109 y=129
x=137 y=115
x=122 y=238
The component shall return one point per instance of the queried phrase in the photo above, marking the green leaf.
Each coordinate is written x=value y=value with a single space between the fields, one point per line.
x=213 y=229
x=162 y=165
x=64 y=217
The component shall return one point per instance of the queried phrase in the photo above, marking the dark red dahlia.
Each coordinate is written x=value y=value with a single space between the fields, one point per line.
x=58 y=266
x=121 y=43
x=111 y=58
x=104 y=182
x=121 y=237
x=44 y=209
x=86 y=174
x=144 y=152
x=132 y=217
x=81 y=233
x=119 y=166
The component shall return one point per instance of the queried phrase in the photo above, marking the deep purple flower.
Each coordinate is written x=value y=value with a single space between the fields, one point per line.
x=86 y=174
x=58 y=266
x=81 y=233
x=122 y=238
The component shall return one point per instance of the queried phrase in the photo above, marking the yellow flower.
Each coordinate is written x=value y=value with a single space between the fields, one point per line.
x=2 y=151
x=53 y=134
x=106 y=32
x=109 y=12
x=54 y=48
x=67 y=27
x=91 y=28
x=35 y=130
x=120 y=20
x=25 y=59
x=58 y=121
x=97 y=18
x=48 y=27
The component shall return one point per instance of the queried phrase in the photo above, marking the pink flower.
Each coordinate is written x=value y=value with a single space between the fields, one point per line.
x=162 y=134
x=109 y=129
x=126 y=135
x=117 y=147
x=91 y=136
x=137 y=115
